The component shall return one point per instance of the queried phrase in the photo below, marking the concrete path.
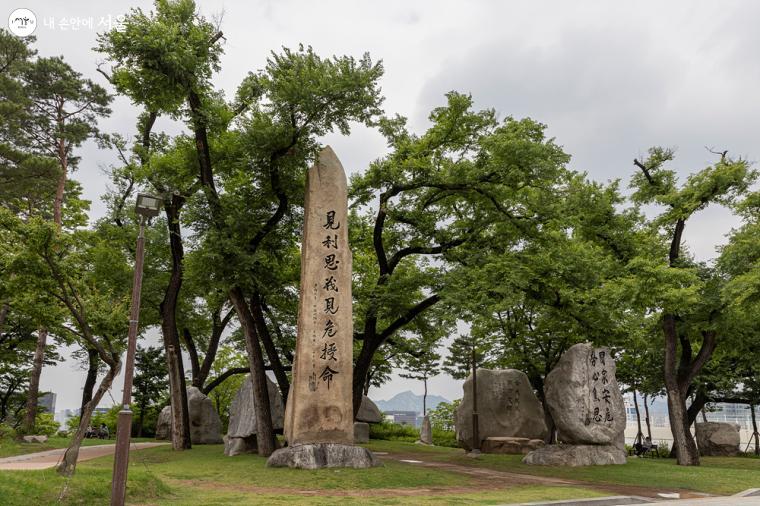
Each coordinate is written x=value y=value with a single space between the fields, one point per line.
x=44 y=460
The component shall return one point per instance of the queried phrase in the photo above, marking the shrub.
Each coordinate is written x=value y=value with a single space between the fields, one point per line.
x=442 y=417
x=6 y=431
x=45 y=424
x=390 y=431
x=445 y=438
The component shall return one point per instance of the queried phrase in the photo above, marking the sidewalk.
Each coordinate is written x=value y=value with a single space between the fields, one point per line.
x=44 y=460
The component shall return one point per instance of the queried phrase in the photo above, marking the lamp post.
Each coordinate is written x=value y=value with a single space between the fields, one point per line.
x=147 y=207
x=475 y=425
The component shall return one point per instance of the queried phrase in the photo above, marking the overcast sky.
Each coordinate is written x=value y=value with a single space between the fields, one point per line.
x=610 y=79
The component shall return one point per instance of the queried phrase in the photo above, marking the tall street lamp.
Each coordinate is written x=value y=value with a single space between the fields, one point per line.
x=147 y=207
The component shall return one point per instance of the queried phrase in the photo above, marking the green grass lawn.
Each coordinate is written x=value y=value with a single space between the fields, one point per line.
x=716 y=475
x=160 y=476
x=203 y=475
x=10 y=447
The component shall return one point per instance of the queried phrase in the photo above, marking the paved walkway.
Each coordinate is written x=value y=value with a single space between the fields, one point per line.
x=44 y=460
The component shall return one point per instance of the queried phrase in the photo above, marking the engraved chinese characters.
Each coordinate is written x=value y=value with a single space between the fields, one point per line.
x=319 y=407
x=584 y=397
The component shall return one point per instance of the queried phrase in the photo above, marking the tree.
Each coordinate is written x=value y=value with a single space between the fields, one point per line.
x=439 y=195
x=421 y=362
x=56 y=110
x=150 y=383
x=167 y=59
x=443 y=416
x=689 y=298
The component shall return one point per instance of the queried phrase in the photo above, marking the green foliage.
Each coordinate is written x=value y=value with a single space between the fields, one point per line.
x=390 y=431
x=150 y=387
x=443 y=417
x=45 y=424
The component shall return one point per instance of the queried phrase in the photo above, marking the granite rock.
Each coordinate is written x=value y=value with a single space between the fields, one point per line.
x=584 y=398
x=321 y=455
x=205 y=424
x=718 y=439
x=426 y=431
x=574 y=455
x=241 y=433
x=369 y=412
x=511 y=445
x=361 y=432
x=507 y=407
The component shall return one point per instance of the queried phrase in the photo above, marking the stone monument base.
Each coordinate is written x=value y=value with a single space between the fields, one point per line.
x=320 y=455
x=510 y=445
x=576 y=455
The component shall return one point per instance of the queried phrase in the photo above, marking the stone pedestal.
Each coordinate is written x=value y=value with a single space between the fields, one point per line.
x=574 y=455
x=361 y=432
x=511 y=445
x=319 y=455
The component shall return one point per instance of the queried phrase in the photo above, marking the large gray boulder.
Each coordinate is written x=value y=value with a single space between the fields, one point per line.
x=584 y=398
x=321 y=455
x=507 y=407
x=241 y=433
x=164 y=424
x=205 y=424
x=368 y=411
x=576 y=455
x=426 y=431
x=718 y=439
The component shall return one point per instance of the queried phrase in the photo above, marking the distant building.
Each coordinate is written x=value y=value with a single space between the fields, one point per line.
x=402 y=417
x=63 y=416
x=46 y=402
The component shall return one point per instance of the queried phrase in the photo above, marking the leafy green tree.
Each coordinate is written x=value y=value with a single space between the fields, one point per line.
x=443 y=416
x=687 y=296
x=438 y=196
x=421 y=362
x=251 y=176
x=150 y=384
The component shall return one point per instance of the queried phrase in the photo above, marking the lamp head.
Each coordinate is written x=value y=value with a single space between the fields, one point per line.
x=147 y=205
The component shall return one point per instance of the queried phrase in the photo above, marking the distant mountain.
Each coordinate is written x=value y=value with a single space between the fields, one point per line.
x=408 y=401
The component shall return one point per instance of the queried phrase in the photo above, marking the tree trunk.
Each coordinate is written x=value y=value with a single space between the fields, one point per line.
x=265 y=439
x=361 y=370
x=683 y=442
x=177 y=388
x=34 y=382
x=68 y=463
x=92 y=378
x=639 y=434
x=269 y=347
x=646 y=417
x=424 y=398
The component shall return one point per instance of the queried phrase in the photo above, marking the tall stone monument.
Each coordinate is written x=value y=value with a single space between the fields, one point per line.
x=319 y=421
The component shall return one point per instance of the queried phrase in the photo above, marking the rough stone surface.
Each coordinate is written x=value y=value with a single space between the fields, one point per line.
x=319 y=407
x=361 y=432
x=164 y=424
x=320 y=455
x=205 y=425
x=241 y=433
x=369 y=412
x=584 y=398
x=35 y=439
x=511 y=445
x=576 y=455
x=507 y=407
x=426 y=431
x=718 y=439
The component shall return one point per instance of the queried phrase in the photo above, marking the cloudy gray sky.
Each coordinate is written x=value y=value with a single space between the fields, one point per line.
x=610 y=79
